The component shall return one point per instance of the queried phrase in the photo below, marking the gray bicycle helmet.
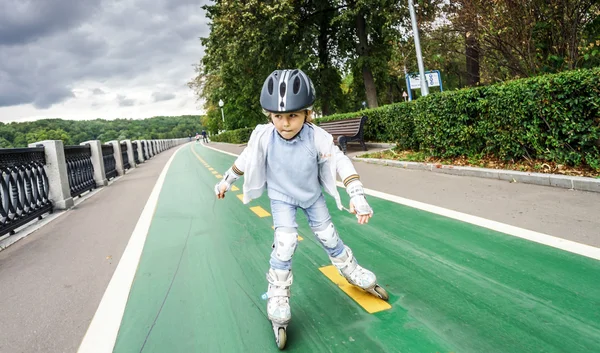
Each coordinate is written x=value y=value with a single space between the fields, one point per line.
x=287 y=91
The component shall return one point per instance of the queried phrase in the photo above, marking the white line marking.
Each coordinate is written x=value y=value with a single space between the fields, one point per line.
x=214 y=149
x=540 y=238
x=102 y=332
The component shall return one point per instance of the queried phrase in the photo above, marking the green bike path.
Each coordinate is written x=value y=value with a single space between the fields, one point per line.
x=454 y=287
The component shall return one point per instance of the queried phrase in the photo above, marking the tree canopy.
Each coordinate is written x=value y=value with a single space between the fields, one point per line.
x=358 y=51
x=73 y=132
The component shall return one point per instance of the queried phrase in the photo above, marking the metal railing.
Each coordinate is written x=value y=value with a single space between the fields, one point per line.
x=124 y=156
x=24 y=187
x=110 y=166
x=136 y=157
x=79 y=169
x=145 y=150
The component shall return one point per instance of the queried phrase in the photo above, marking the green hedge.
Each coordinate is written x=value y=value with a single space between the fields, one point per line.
x=233 y=136
x=552 y=117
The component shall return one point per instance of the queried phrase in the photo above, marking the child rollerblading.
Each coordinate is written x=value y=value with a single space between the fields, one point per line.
x=292 y=159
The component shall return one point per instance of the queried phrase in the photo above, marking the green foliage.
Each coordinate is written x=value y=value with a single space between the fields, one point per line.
x=73 y=132
x=553 y=117
x=234 y=136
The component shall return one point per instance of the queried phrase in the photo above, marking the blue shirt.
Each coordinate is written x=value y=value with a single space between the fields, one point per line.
x=292 y=168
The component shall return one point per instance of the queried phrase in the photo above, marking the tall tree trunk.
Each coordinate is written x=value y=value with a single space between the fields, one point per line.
x=324 y=63
x=469 y=15
x=363 y=52
x=472 y=53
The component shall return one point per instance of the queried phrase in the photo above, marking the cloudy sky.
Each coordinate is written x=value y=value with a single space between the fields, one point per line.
x=87 y=59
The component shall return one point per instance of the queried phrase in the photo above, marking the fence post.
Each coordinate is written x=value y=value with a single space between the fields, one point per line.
x=56 y=170
x=150 y=148
x=140 y=151
x=97 y=162
x=130 y=155
x=118 y=157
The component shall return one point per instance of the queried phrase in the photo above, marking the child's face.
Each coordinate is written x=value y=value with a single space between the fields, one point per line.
x=288 y=124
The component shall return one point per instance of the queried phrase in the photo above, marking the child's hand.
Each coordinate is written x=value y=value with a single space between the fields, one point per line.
x=220 y=189
x=362 y=210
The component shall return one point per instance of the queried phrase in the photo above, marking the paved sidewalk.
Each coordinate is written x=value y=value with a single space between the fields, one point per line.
x=52 y=281
x=567 y=214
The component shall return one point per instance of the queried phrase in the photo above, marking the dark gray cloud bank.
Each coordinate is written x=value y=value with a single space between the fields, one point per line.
x=49 y=48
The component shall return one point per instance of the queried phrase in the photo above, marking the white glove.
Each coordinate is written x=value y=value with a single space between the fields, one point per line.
x=357 y=198
x=228 y=179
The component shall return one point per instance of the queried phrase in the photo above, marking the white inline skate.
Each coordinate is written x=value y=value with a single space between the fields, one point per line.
x=278 y=303
x=358 y=275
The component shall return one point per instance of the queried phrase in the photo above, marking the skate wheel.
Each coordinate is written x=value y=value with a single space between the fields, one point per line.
x=281 y=338
x=381 y=293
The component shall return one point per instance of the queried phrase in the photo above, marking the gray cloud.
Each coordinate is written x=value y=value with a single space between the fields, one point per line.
x=124 y=101
x=48 y=97
x=25 y=21
x=162 y=96
x=98 y=91
x=47 y=51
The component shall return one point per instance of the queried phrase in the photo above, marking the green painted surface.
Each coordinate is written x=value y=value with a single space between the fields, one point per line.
x=454 y=287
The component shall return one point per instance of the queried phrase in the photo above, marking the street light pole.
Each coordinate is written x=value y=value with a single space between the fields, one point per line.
x=222 y=115
x=413 y=18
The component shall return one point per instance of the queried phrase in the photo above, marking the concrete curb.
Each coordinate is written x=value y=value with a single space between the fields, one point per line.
x=555 y=180
x=379 y=145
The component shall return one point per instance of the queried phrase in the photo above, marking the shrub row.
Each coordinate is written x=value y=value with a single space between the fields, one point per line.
x=551 y=117
x=234 y=136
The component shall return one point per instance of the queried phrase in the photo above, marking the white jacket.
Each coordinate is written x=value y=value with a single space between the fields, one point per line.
x=252 y=161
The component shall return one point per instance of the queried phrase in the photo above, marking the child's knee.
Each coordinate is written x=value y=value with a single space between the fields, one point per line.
x=286 y=240
x=328 y=236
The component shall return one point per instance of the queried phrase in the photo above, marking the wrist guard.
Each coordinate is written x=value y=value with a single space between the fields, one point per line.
x=357 y=198
x=229 y=178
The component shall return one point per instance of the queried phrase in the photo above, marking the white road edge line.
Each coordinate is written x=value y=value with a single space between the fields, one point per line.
x=102 y=333
x=540 y=238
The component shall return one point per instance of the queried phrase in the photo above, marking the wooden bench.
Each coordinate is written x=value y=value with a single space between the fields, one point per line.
x=348 y=130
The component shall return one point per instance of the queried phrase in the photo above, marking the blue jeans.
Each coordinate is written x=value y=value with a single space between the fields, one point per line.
x=284 y=218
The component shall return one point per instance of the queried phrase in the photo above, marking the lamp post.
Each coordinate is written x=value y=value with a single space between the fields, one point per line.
x=221 y=104
x=413 y=17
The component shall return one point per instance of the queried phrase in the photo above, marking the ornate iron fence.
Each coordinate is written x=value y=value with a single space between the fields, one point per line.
x=110 y=166
x=136 y=157
x=79 y=169
x=124 y=156
x=24 y=187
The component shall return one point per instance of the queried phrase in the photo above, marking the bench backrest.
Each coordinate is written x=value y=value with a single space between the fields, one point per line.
x=347 y=127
